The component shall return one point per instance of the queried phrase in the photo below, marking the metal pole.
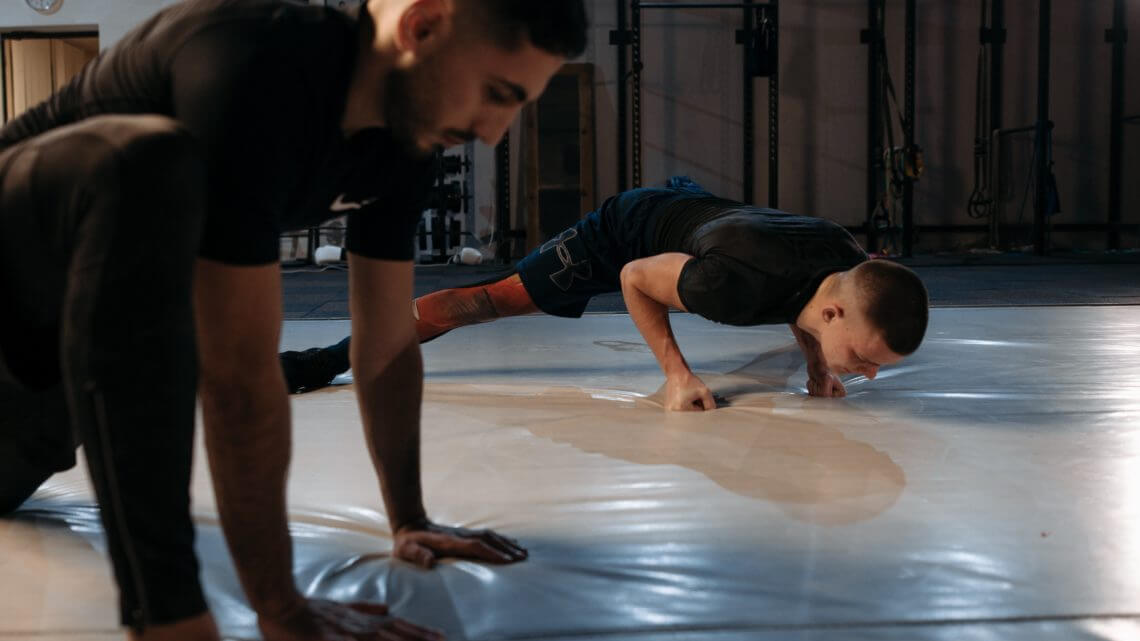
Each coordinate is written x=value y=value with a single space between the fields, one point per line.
x=1116 y=122
x=997 y=84
x=908 y=184
x=313 y=239
x=1041 y=144
x=774 y=113
x=997 y=42
x=623 y=101
x=696 y=5
x=748 y=108
x=749 y=135
x=4 y=89
x=874 y=121
x=503 y=196
x=635 y=33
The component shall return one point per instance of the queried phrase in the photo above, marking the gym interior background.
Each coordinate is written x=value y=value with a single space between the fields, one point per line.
x=985 y=490
x=782 y=105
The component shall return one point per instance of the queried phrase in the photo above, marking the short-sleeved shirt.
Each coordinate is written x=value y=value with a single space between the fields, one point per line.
x=262 y=85
x=750 y=265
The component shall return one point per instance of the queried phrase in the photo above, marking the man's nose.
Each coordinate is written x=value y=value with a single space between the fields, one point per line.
x=871 y=372
x=494 y=123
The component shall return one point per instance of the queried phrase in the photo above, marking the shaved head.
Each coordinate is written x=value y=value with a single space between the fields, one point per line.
x=894 y=300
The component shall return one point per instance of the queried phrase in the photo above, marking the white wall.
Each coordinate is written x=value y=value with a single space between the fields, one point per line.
x=692 y=121
x=692 y=100
x=112 y=18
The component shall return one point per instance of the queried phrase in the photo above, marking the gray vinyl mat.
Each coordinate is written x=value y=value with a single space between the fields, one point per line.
x=987 y=488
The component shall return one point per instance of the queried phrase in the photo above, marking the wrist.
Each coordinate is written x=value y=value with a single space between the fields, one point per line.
x=818 y=371
x=675 y=366
x=279 y=607
x=419 y=522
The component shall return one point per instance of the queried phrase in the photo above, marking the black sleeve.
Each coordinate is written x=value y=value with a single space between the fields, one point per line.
x=383 y=234
x=386 y=229
x=719 y=288
x=238 y=90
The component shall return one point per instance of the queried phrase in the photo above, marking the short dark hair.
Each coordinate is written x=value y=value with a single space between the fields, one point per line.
x=895 y=301
x=555 y=26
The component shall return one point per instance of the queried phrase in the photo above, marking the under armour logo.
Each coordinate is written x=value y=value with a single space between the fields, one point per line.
x=564 y=278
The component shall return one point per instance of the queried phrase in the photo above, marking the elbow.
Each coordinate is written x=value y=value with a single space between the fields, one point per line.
x=630 y=276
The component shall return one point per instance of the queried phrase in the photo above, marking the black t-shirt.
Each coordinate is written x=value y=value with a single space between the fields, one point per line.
x=750 y=266
x=262 y=85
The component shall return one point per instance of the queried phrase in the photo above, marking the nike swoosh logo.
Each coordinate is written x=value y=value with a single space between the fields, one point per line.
x=340 y=204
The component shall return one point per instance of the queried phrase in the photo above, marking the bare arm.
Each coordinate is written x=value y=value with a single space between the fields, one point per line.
x=388 y=371
x=649 y=286
x=816 y=366
x=821 y=382
x=246 y=415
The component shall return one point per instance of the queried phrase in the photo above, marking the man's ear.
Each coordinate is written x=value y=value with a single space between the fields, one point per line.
x=424 y=25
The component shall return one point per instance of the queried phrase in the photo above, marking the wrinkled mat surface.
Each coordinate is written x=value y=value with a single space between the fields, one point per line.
x=986 y=488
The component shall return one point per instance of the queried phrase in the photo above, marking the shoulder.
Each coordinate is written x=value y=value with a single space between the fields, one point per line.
x=636 y=198
x=786 y=224
x=261 y=57
x=247 y=28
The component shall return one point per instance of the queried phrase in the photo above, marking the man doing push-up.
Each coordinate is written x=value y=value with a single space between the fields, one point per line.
x=680 y=247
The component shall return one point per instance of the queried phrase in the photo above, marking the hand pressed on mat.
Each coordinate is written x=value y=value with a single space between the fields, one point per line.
x=826 y=385
x=423 y=543
x=319 y=620
x=685 y=392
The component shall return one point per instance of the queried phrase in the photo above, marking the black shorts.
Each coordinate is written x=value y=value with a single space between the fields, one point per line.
x=568 y=270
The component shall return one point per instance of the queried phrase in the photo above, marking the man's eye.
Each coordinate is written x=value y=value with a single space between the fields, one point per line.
x=496 y=96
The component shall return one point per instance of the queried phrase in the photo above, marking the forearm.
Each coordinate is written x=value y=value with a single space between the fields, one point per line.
x=390 y=392
x=248 y=442
x=816 y=365
x=652 y=319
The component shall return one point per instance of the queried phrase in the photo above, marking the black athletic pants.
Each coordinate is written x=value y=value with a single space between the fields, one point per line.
x=99 y=228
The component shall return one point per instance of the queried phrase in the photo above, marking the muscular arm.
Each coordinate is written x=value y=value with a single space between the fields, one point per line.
x=816 y=365
x=246 y=415
x=388 y=370
x=649 y=286
x=821 y=382
x=388 y=374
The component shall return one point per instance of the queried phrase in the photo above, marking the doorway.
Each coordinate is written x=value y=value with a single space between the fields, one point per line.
x=36 y=65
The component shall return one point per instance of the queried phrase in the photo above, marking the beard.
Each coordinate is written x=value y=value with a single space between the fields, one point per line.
x=411 y=108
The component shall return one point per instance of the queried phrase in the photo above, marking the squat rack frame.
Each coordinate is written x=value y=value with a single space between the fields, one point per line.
x=874 y=36
x=1116 y=36
x=628 y=39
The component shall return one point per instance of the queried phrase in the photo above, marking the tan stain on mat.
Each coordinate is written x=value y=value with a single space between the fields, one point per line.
x=762 y=445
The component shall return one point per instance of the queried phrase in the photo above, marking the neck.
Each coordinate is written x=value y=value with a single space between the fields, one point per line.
x=364 y=105
x=810 y=320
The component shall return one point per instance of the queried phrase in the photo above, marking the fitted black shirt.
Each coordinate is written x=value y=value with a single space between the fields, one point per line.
x=262 y=85
x=750 y=266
